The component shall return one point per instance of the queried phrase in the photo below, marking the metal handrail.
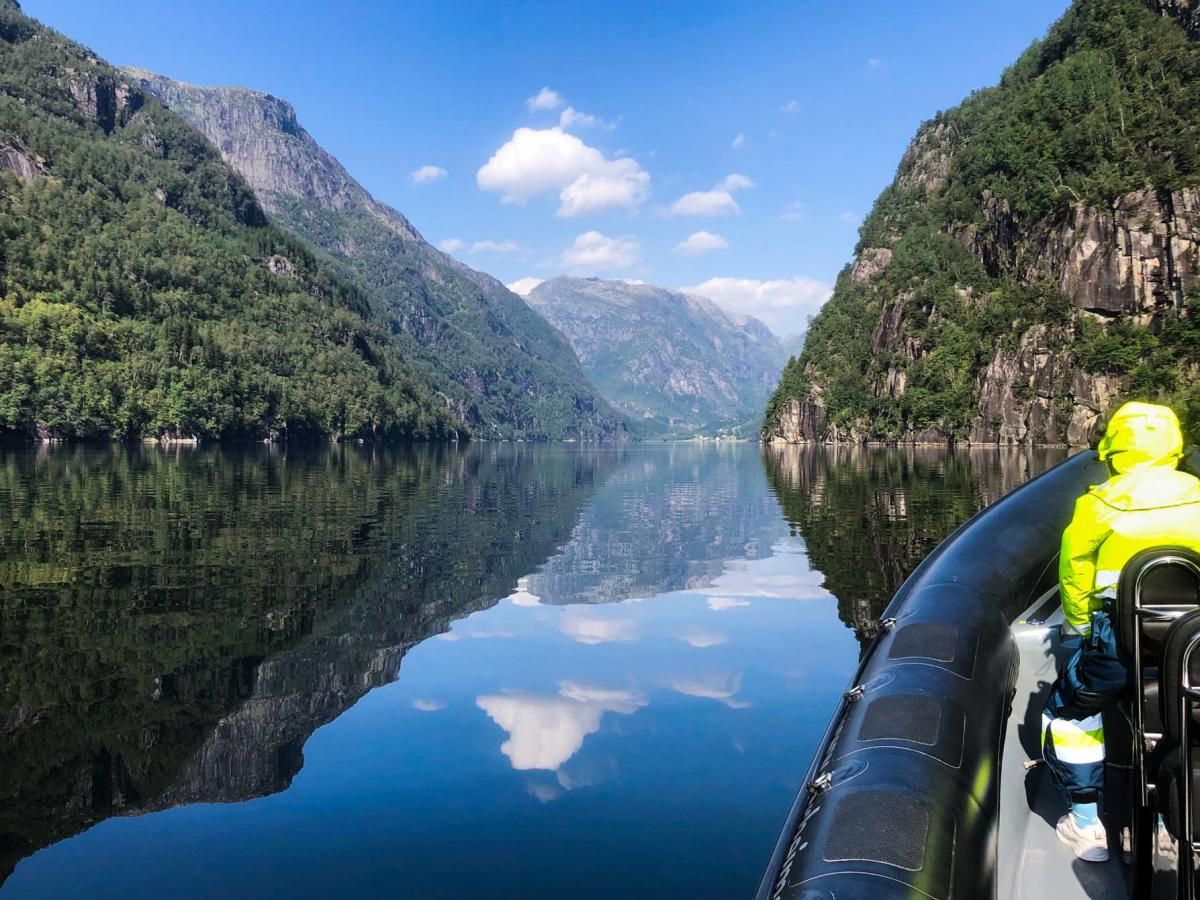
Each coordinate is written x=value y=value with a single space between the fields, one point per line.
x=1188 y=849
x=1144 y=742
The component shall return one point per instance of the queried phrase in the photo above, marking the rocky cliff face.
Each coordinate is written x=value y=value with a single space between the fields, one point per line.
x=498 y=364
x=1004 y=292
x=674 y=363
x=259 y=135
x=1187 y=12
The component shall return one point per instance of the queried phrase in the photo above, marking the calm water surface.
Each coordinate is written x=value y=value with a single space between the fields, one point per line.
x=502 y=671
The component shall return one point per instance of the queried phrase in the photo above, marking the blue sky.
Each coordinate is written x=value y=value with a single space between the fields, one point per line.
x=730 y=145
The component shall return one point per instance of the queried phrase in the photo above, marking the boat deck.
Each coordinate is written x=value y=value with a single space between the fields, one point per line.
x=1033 y=862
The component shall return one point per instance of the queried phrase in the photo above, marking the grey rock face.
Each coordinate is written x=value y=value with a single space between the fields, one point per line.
x=803 y=421
x=1187 y=12
x=675 y=362
x=1130 y=259
x=870 y=263
x=926 y=163
x=1038 y=395
x=18 y=161
x=259 y=135
x=103 y=99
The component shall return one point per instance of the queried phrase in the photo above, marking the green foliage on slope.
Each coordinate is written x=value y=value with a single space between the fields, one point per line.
x=142 y=292
x=514 y=375
x=1106 y=104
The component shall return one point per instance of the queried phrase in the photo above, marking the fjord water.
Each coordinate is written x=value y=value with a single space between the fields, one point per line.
x=495 y=670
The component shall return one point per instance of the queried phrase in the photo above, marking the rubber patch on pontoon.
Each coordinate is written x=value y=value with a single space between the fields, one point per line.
x=902 y=717
x=878 y=826
x=926 y=640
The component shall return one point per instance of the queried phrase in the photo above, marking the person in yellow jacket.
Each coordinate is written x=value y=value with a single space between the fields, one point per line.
x=1146 y=502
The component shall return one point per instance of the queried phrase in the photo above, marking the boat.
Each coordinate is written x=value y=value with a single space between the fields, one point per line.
x=928 y=781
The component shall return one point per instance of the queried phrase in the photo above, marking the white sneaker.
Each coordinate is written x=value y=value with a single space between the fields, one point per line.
x=1090 y=844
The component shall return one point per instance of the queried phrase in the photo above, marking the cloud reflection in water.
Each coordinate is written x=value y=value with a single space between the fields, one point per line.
x=720 y=686
x=593 y=630
x=547 y=730
x=702 y=637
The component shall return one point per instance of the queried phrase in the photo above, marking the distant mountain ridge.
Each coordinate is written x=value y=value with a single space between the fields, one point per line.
x=500 y=366
x=675 y=363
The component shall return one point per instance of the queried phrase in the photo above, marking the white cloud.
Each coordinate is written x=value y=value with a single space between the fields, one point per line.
x=546 y=731
x=495 y=247
x=848 y=216
x=738 y=141
x=791 y=107
x=522 y=287
x=427 y=173
x=722 y=687
x=622 y=185
x=793 y=212
x=702 y=637
x=718 y=604
x=428 y=705
x=702 y=242
x=734 y=182
x=451 y=245
x=784 y=304
x=874 y=62
x=595 y=252
x=706 y=203
x=545 y=99
x=587 y=630
x=717 y=202
x=536 y=160
x=573 y=118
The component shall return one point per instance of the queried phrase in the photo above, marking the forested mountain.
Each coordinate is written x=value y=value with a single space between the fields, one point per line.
x=1037 y=258
x=142 y=291
x=504 y=370
x=674 y=363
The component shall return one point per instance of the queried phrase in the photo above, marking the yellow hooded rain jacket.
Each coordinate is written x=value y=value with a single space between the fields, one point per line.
x=1146 y=503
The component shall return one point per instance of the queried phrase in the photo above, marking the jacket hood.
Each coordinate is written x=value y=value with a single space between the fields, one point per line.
x=1141 y=435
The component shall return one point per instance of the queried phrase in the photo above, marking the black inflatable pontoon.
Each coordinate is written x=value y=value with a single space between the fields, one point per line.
x=922 y=785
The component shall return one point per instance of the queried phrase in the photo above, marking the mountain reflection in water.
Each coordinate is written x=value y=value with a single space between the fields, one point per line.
x=869 y=516
x=175 y=625
x=639 y=641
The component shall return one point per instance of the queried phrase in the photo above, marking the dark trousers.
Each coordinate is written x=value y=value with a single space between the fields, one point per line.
x=1091 y=680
